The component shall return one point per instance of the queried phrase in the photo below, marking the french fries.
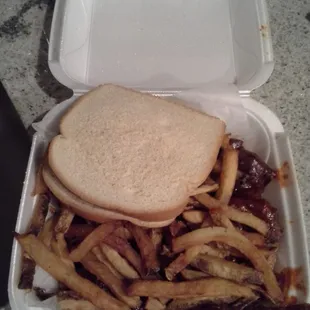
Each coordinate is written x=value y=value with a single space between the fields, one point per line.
x=119 y=263
x=189 y=274
x=238 y=241
x=64 y=221
x=194 y=216
x=95 y=237
x=190 y=303
x=47 y=232
x=156 y=235
x=182 y=261
x=199 y=288
x=228 y=174
x=57 y=269
x=224 y=269
x=36 y=224
x=154 y=304
x=39 y=186
x=125 y=250
x=205 y=188
x=146 y=246
x=107 y=277
x=233 y=214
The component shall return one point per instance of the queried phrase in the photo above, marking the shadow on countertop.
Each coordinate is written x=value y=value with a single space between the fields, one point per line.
x=44 y=77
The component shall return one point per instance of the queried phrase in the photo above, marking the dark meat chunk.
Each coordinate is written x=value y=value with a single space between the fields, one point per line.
x=263 y=210
x=255 y=175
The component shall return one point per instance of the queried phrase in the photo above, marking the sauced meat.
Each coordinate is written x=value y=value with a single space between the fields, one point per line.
x=263 y=210
x=255 y=175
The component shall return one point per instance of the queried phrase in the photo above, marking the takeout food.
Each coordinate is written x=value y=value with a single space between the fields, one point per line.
x=217 y=246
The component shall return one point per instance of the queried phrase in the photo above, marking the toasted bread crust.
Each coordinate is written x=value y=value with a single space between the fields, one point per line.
x=90 y=211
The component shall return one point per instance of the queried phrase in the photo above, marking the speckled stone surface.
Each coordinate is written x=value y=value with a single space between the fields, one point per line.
x=24 y=28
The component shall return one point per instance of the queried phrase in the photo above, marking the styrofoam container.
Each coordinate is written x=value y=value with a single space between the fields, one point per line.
x=167 y=47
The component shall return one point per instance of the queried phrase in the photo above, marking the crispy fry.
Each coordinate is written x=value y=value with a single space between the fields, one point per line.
x=182 y=261
x=199 y=288
x=47 y=232
x=107 y=277
x=73 y=304
x=221 y=268
x=206 y=188
x=181 y=304
x=126 y=250
x=225 y=142
x=102 y=258
x=58 y=270
x=233 y=214
x=123 y=233
x=59 y=247
x=216 y=210
x=119 y=263
x=36 y=223
x=156 y=235
x=39 y=214
x=248 y=219
x=238 y=241
x=95 y=237
x=154 y=304
x=255 y=238
x=228 y=175
x=146 y=247
x=194 y=216
x=64 y=221
x=189 y=274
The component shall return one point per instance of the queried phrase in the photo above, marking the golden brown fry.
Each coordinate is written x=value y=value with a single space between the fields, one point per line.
x=36 y=223
x=73 y=304
x=39 y=214
x=225 y=142
x=181 y=304
x=248 y=219
x=52 y=264
x=228 y=175
x=216 y=210
x=189 y=274
x=126 y=250
x=64 y=221
x=255 y=238
x=107 y=277
x=199 y=288
x=94 y=238
x=59 y=247
x=156 y=235
x=101 y=258
x=154 y=304
x=123 y=233
x=47 y=232
x=119 y=263
x=233 y=214
x=224 y=269
x=182 y=261
x=205 y=188
x=146 y=247
x=238 y=241
x=194 y=216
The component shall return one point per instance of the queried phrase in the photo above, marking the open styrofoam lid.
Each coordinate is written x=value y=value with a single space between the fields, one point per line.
x=160 y=45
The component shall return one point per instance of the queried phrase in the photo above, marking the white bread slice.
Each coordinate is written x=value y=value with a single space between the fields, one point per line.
x=134 y=153
x=87 y=210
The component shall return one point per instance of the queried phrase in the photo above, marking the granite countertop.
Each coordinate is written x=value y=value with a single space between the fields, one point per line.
x=24 y=29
